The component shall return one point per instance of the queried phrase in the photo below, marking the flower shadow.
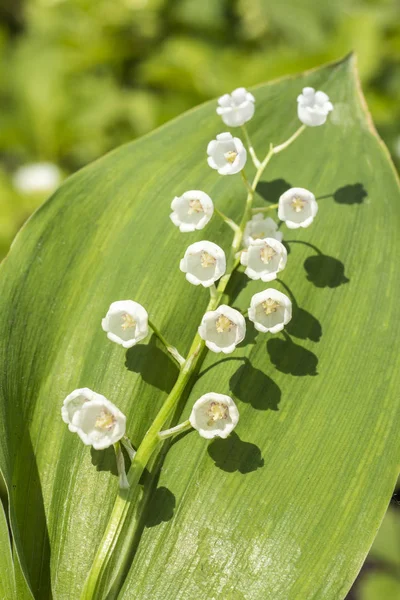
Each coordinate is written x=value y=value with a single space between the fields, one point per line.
x=350 y=194
x=253 y=387
x=291 y=358
x=325 y=271
x=303 y=324
x=233 y=455
x=161 y=507
x=271 y=191
x=153 y=364
x=104 y=460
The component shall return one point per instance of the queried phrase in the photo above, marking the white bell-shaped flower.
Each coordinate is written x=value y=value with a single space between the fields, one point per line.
x=192 y=210
x=226 y=154
x=204 y=262
x=126 y=323
x=236 y=108
x=223 y=329
x=264 y=259
x=214 y=415
x=97 y=421
x=297 y=208
x=270 y=310
x=259 y=228
x=37 y=178
x=313 y=107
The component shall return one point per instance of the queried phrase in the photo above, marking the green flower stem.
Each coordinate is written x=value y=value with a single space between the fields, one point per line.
x=227 y=220
x=97 y=575
x=123 y=481
x=264 y=208
x=163 y=435
x=126 y=442
x=171 y=349
x=252 y=152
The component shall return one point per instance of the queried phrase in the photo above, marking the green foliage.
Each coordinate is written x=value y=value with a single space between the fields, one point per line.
x=288 y=506
x=80 y=77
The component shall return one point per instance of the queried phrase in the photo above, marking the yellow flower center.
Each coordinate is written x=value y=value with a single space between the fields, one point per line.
x=258 y=236
x=298 y=204
x=105 y=420
x=223 y=324
x=231 y=156
x=207 y=260
x=217 y=411
x=128 y=322
x=195 y=206
x=270 y=306
x=267 y=253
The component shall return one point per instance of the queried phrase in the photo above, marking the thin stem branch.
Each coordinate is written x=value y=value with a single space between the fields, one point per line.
x=294 y=137
x=245 y=180
x=227 y=220
x=171 y=349
x=252 y=152
x=163 y=435
x=123 y=481
x=213 y=292
x=126 y=442
x=264 y=208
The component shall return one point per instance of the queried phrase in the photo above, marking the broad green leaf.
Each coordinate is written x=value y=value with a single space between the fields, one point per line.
x=288 y=506
x=7 y=578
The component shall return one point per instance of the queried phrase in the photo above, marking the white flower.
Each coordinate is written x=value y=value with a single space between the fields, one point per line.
x=270 y=311
x=97 y=421
x=126 y=323
x=192 y=210
x=236 y=108
x=264 y=259
x=223 y=329
x=313 y=107
x=297 y=207
x=214 y=415
x=204 y=262
x=260 y=228
x=226 y=154
x=37 y=178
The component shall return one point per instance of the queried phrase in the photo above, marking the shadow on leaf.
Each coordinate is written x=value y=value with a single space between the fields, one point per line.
x=161 y=508
x=304 y=325
x=271 y=191
x=252 y=386
x=233 y=455
x=325 y=271
x=153 y=364
x=290 y=358
x=350 y=194
x=104 y=460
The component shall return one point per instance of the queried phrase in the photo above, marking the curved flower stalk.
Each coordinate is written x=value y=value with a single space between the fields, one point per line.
x=222 y=327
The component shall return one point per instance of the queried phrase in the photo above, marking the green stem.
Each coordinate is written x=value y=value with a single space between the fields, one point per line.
x=171 y=349
x=163 y=435
x=252 y=152
x=151 y=439
x=123 y=481
x=264 y=208
x=227 y=220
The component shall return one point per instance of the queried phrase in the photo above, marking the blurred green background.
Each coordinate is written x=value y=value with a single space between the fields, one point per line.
x=79 y=77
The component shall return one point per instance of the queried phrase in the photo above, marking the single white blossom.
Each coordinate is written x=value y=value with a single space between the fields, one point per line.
x=192 y=210
x=97 y=421
x=236 y=108
x=297 y=207
x=259 y=228
x=313 y=107
x=226 y=154
x=264 y=259
x=37 y=178
x=126 y=323
x=214 y=415
x=270 y=310
x=204 y=262
x=223 y=329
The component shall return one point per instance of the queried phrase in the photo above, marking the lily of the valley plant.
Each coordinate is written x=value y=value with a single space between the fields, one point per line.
x=257 y=245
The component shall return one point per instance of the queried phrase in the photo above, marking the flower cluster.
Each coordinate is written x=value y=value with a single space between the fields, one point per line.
x=257 y=246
